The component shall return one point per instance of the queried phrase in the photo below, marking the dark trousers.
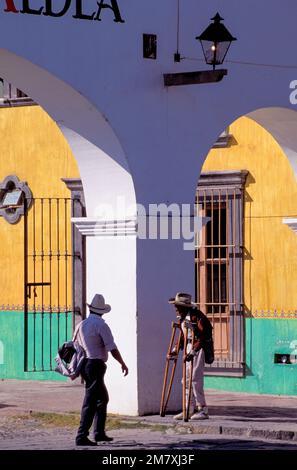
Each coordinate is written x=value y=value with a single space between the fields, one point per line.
x=95 y=401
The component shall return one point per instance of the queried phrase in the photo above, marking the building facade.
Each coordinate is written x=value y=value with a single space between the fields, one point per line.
x=137 y=140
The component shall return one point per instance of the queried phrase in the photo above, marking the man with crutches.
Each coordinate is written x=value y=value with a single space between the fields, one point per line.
x=195 y=330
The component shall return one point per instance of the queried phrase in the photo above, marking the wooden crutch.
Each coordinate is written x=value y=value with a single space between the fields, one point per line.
x=170 y=360
x=187 y=371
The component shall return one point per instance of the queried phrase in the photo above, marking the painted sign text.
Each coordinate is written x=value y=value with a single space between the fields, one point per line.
x=83 y=10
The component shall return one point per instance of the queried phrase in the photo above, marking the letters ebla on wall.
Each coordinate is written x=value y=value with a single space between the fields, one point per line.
x=90 y=10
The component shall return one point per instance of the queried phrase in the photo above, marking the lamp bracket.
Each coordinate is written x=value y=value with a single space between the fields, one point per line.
x=194 y=78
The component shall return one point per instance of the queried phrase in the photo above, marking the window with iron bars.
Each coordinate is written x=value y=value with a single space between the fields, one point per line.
x=12 y=96
x=219 y=266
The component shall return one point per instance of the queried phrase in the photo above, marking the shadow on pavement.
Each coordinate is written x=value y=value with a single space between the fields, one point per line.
x=231 y=444
x=3 y=405
x=238 y=413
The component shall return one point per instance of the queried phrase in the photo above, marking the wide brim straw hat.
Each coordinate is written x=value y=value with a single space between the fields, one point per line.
x=98 y=305
x=182 y=299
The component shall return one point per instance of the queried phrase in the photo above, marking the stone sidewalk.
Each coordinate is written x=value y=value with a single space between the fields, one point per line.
x=237 y=420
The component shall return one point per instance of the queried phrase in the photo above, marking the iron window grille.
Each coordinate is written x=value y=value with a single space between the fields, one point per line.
x=219 y=266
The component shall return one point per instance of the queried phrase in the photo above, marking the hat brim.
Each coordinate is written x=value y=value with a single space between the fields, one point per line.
x=181 y=304
x=100 y=310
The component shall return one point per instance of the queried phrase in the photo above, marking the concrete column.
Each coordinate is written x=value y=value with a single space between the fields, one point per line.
x=163 y=269
x=111 y=271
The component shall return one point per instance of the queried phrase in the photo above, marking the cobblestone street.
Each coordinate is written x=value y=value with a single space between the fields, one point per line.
x=27 y=435
x=44 y=416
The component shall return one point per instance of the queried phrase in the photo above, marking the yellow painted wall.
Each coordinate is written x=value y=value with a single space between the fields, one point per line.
x=270 y=268
x=33 y=148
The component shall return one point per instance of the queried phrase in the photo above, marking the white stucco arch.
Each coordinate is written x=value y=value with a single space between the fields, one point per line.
x=109 y=194
x=281 y=123
x=93 y=141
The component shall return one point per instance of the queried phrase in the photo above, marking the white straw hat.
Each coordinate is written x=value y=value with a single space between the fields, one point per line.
x=182 y=299
x=98 y=305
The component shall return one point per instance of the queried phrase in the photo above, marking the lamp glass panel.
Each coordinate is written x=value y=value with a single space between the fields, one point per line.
x=215 y=56
x=222 y=49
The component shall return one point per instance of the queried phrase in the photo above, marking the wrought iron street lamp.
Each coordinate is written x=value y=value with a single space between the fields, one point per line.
x=215 y=41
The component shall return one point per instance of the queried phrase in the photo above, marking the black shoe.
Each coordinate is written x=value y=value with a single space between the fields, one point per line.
x=103 y=438
x=85 y=442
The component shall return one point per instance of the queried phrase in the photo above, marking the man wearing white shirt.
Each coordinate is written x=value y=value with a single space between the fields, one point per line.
x=95 y=336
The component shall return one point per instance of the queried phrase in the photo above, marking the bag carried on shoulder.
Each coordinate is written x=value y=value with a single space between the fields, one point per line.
x=208 y=344
x=70 y=359
x=209 y=351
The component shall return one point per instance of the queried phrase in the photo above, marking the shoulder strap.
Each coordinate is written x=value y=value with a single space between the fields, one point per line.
x=77 y=333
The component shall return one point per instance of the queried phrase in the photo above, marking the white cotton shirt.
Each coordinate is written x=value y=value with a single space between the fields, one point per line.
x=95 y=336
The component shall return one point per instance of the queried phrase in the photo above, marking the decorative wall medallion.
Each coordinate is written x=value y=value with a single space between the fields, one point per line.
x=13 y=193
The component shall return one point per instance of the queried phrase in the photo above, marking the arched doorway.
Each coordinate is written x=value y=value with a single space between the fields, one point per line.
x=109 y=195
x=246 y=261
